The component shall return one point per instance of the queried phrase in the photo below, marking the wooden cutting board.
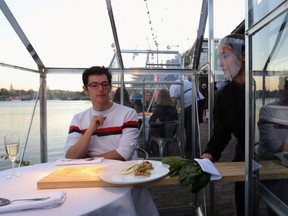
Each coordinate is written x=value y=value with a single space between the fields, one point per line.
x=85 y=177
x=73 y=177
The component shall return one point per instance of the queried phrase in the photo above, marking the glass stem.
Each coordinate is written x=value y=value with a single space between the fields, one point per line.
x=13 y=168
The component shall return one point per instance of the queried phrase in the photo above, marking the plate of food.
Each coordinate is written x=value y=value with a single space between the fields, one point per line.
x=134 y=172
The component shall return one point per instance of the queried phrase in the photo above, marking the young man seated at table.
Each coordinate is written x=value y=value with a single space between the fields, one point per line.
x=106 y=129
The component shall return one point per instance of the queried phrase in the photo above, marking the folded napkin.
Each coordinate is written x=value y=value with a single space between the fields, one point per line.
x=207 y=166
x=56 y=198
x=283 y=156
x=66 y=161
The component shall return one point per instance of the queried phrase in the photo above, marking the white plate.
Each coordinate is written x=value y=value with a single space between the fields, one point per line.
x=111 y=174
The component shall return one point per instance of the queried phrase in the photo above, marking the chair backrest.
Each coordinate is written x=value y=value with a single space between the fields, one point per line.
x=170 y=129
x=142 y=154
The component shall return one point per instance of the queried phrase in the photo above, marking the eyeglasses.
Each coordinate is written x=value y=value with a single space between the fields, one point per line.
x=95 y=85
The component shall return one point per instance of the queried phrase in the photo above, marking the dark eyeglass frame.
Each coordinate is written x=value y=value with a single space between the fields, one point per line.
x=96 y=85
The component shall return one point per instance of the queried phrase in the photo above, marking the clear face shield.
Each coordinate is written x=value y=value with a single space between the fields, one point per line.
x=230 y=56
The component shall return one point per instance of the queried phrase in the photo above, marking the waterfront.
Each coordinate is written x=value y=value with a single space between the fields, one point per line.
x=16 y=115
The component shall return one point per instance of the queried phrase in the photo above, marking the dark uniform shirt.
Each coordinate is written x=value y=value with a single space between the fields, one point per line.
x=229 y=118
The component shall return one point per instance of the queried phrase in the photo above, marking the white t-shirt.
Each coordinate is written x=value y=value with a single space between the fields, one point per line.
x=119 y=131
x=175 y=92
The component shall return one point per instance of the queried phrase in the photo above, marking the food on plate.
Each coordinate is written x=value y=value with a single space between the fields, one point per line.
x=142 y=169
x=129 y=170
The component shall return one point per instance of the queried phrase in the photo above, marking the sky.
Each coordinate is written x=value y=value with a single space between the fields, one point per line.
x=77 y=33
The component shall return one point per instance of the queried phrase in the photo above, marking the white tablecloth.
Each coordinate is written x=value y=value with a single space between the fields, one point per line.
x=122 y=201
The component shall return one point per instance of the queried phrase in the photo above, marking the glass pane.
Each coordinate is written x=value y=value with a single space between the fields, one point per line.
x=271 y=100
x=156 y=25
x=260 y=8
x=68 y=82
x=137 y=99
x=60 y=113
x=66 y=33
x=17 y=102
x=225 y=19
x=13 y=51
x=150 y=59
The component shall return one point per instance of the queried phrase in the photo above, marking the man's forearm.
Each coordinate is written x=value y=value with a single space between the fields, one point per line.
x=79 y=149
x=112 y=155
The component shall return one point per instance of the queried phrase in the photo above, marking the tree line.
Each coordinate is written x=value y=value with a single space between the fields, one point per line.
x=14 y=94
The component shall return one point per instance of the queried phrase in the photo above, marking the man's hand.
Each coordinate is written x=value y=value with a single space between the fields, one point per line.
x=96 y=122
x=79 y=150
x=208 y=156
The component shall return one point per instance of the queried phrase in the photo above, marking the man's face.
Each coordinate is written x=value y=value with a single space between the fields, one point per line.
x=98 y=89
x=228 y=61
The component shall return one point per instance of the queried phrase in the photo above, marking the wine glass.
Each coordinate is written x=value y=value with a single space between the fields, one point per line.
x=12 y=145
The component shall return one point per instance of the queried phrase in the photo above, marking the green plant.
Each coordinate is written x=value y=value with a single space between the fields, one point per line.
x=190 y=172
x=24 y=163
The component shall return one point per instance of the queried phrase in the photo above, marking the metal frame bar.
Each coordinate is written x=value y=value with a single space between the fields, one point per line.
x=271 y=16
x=200 y=34
x=17 y=28
x=54 y=70
x=151 y=51
x=43 y=103
x=211 y=92
x=114 y=30
x=272 y=201
x=180 y=63
x=251 y=182
x=18 y=67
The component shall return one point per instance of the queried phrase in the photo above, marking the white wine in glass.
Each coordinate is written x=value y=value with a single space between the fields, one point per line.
x=12 y=145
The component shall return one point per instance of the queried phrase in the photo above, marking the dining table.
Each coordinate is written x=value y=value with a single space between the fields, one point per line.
x=89 y=195
x=101 y=200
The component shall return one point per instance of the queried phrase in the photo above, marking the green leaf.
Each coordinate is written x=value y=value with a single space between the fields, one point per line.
x=187 y=173
x=190 y=173
x=24 y=163
x=175 y=163
x=200 y=181
x=5 y=157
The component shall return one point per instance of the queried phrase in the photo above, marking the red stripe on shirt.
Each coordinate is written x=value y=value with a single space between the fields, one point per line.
x=108 y=130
